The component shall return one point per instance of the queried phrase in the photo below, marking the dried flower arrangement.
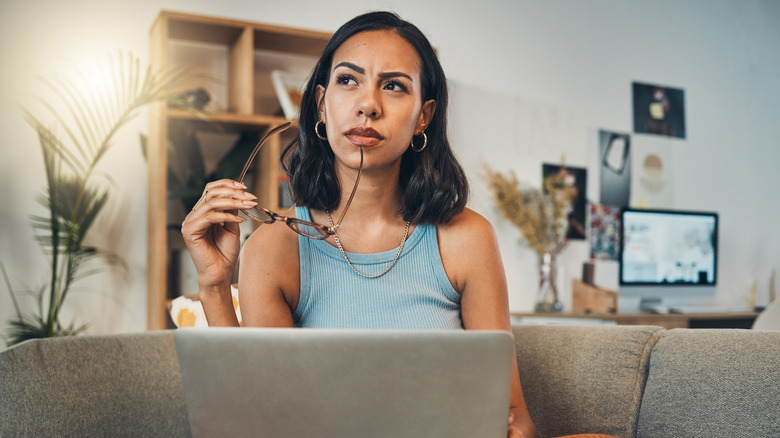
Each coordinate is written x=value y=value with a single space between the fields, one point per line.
x=540 y=215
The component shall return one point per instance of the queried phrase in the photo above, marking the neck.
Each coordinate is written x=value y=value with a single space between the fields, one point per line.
x=372 y=223
x=377 y=199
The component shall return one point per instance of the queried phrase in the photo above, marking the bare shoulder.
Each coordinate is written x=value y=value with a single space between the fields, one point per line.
x=468 y=246
x=269 y=266
x=267 y=240
x=468 y=225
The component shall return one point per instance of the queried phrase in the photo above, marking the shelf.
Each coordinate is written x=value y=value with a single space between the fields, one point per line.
x=238 y=120
x=233 y=60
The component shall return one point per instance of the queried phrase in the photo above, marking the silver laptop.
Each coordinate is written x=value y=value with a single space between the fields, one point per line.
x=280 y=383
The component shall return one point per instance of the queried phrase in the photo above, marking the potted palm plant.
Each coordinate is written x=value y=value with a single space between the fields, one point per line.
x=76 y=129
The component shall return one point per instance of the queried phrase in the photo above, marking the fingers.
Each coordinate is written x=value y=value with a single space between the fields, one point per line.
x=220 y=204
x=217 y=206
x=224 y=195
x=197 y=225
x=514 y=432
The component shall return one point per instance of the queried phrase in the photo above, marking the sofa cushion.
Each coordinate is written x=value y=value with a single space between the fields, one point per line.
x=705 y=383
x=584 y=379
x=117 y=386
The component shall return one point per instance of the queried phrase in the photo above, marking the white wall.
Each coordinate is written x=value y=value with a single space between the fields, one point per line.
x=572 y=59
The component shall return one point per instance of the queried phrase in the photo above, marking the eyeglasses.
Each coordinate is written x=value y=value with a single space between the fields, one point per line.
x=308 y=229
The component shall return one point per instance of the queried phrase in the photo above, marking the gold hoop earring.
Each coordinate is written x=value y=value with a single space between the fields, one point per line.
x=317 y=130
x=425 y=143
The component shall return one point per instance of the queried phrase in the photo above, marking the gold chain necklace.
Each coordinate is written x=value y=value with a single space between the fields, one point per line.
x=395 y=259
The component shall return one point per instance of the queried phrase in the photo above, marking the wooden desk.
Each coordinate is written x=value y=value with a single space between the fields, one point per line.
x=670 y=321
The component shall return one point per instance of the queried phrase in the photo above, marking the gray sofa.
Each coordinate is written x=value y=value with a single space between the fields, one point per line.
x=627 y=381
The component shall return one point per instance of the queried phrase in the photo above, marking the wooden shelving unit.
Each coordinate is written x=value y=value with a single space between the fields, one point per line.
x=239 y=55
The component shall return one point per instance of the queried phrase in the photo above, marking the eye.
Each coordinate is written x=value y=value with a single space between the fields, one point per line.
x=395 y=85
x=346 y=79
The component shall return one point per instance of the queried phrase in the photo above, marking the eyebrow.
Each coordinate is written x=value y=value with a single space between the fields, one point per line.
x=361 y=70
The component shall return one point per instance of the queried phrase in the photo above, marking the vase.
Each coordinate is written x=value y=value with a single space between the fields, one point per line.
x=547 y=295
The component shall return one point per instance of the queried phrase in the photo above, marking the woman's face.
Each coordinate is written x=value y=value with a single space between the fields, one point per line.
x=374 y=99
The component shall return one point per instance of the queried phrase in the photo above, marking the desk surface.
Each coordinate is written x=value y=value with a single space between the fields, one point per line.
x=614 y=316
x=669 y=320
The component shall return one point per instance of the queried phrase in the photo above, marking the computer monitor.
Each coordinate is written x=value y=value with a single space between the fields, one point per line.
x=667 y=255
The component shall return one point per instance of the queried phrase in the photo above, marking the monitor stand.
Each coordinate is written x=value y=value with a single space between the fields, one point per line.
x=652 y=305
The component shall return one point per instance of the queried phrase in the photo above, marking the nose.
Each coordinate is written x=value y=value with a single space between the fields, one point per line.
x=369 y=105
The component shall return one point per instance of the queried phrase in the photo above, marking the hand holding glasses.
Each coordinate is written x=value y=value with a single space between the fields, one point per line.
x=308 y=229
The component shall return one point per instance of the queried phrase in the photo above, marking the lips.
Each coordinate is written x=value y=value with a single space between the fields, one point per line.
x=362 y=136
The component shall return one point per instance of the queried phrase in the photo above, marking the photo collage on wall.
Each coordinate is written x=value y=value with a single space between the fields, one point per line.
x=635 y=171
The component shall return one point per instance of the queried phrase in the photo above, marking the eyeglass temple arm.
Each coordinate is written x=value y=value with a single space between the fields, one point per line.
x=354 y=189
x=268 y=134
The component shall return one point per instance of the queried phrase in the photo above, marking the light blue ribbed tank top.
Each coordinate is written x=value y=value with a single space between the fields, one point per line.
x=414 y=294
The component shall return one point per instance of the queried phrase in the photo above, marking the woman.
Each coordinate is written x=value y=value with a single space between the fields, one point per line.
x=373 y=117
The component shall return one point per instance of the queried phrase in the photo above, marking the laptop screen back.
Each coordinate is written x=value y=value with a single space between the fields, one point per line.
x=345 y=383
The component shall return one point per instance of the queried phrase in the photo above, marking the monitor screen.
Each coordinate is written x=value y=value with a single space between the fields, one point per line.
x=662 y=247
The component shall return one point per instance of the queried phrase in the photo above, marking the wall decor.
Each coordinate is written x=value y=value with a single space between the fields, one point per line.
x=604 y=227
x=614 y=168
x=651 y=178
x=659 y=110
x=574 y=178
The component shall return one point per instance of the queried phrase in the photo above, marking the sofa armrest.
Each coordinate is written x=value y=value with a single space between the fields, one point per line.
x=708 y=382
x=584 y=379
x=121 y=385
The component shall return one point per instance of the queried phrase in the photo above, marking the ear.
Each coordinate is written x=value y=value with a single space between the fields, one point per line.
x=319 y=97
x=426 y=115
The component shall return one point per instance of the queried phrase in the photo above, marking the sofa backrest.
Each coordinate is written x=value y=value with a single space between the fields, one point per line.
x=584 y=379
x=707 y=383
x=624 y=381
x=117 y=386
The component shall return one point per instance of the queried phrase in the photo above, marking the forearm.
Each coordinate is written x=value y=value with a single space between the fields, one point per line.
x=522 y=422
x=218 y=307
x=518 y=410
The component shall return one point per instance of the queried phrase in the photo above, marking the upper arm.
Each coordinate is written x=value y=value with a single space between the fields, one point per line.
x=268 y=279
x=472 y=259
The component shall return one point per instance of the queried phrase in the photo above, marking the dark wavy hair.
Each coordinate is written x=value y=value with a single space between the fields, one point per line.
x=433 y=184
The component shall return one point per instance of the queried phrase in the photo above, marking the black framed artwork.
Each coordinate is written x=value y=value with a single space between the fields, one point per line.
x=575 y=178
x=614 y=168
x=659 y=110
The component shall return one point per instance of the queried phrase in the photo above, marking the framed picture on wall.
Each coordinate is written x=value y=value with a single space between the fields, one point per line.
x=614 y=168
x=652 y=175
x=659 y=110
x=604 y=227
x=575 y=178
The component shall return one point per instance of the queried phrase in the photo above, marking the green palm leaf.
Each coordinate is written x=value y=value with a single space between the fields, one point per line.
x=88 y=109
